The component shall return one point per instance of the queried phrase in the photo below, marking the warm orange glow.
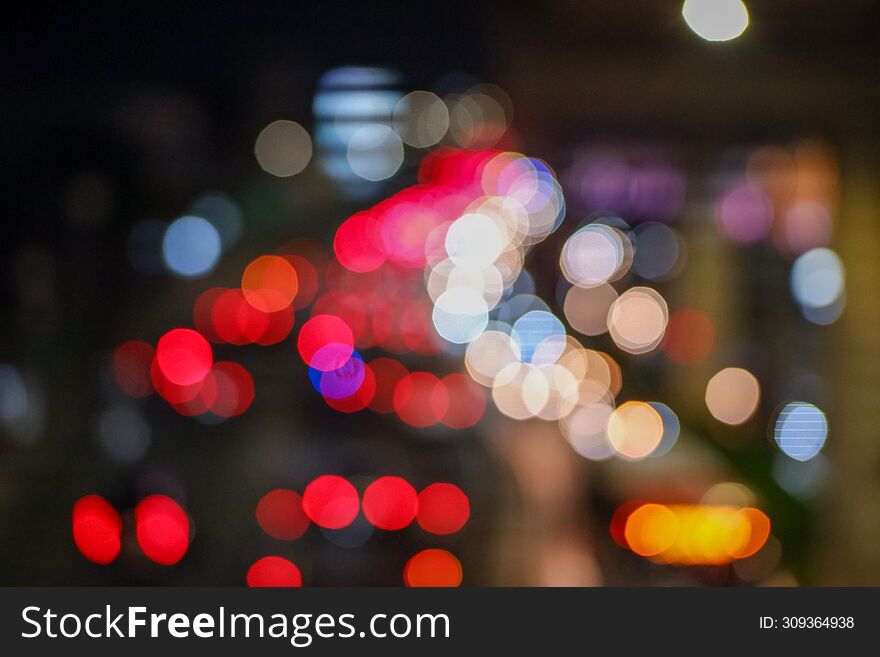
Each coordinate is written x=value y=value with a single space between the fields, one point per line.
x=432 y=568
x=651 y=529
x=692 y=534
x=269 y=283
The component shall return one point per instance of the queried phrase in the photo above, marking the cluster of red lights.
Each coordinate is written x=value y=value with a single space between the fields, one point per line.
x=161 y=526
x=388 y=503
x=370 y=294
x=181 y=370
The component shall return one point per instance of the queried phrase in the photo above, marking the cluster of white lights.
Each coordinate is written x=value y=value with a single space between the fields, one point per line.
x=520 y=350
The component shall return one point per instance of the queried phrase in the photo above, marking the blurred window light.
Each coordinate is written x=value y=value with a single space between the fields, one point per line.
x=716 y=20
x=353 y=109
x=801 y=430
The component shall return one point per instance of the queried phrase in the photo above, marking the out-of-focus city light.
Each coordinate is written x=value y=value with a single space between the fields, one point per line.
x=671 y=428
x=325 y=342
x=478 y=118
x=162 y=529
x=716 y=20
x=689 y=338
x=803 y=479
x=375 y=152
x=235 y=389
x=490 y=353
x=540 y=337
x=651 y=529
x=800 y=430
x=691 y=534
x=184 y=356
x=635 y=429
x=807 y=225
x=442 y=509
x=331 y=501
x=97 y=529
x=629 y=184
x=283 y=148
x=420 y=399
x=466 y=402
x=274 y=572
x=460 y=314
x=269 y=283
x=637 y=320
x=728 y=493
x=658 y=251
x=131 y=367
x=280 y=514
x=586 y=429
x=744 y=214
x=390 y=503
x=732 y=395
x=421 y=118
x=191 y=247
x=357 y=100
x=586 y=309
x=817 y=278
x=596 y=254
x=432 y=568
x=388 y=373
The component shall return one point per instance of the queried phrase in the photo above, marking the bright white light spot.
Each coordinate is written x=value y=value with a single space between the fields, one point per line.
x=716 y=20
x=594 y=255
x=460 y=314
x=475 y=241
x=817 y=278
